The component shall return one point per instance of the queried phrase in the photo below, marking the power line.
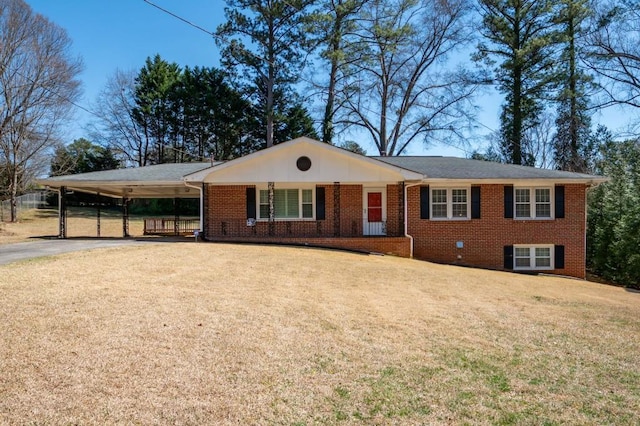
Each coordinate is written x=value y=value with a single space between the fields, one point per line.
x=186 y=21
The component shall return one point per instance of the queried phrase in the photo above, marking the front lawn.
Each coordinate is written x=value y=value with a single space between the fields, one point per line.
x=199 y=333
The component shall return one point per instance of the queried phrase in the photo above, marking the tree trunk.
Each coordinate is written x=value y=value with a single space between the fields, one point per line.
x=516 y=134
x=574 y=158
x=271 y=81
x=13 y=194
x=327 y=121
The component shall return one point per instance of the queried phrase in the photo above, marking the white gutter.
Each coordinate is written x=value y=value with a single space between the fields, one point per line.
x=199 y=188
x=406 y=218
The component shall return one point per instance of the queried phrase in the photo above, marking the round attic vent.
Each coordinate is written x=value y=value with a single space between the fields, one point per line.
x=303 y=163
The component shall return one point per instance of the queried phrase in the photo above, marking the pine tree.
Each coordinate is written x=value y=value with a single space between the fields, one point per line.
x=216 y=119
x=153 y=109
x=331 y=27
x=521 y=35
x=271 y=64
x=613 y=232
x=573 y=122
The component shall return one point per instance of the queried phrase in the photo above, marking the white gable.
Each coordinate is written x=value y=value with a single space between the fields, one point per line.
x=279 y=164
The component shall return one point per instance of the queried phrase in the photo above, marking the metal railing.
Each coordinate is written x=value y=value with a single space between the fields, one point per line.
x=170 y=226
x=35 y=200
x=294 y=228
x=374 y=228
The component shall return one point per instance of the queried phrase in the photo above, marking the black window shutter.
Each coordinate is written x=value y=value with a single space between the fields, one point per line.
x=251 y=203
x=508 y=202
x=558 y=257
x=320 y=213
x=508 y=257
x=424 y=202
x=475 y=202
x=559 y=201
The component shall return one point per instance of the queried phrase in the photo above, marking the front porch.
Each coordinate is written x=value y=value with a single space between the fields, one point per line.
x=359 y=235
x=235 y=228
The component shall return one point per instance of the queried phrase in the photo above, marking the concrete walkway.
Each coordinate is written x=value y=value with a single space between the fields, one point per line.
x=39 y=248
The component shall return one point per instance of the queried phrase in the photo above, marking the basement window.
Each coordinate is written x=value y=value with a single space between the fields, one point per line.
x=533 y=257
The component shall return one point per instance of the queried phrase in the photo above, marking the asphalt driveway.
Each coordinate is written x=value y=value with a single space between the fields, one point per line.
x=20 y=251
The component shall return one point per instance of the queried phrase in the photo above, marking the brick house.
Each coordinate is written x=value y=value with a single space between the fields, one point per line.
x=442 y=209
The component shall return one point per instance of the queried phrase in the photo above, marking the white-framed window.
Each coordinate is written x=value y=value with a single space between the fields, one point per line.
x=288 y=203
x=530 y=257
x=533 y=203
x=450 y=203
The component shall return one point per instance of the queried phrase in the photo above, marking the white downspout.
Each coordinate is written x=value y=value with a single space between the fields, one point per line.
x=199 y=188
x=406 y=218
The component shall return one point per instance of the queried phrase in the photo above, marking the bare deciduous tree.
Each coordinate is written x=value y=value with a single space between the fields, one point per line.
x=614 y=51
x=330 y=27
x=38 y=82
x=400 y=86
x=117 y=127
x=537 y=141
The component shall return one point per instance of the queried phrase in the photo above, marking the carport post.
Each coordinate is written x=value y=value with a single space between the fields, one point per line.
x=176 y=214
x=62 y=213
x=98 y=213
x=125 y=217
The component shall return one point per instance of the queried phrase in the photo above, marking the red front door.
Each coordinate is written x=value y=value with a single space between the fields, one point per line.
x=374 y=207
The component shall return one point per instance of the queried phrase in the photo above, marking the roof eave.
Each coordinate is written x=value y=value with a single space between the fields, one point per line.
x=591 y=181
x=58 y=183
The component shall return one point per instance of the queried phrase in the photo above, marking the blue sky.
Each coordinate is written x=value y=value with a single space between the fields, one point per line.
x=121 y=34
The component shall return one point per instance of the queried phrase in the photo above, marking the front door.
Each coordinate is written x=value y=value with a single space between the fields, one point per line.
x=374 y=211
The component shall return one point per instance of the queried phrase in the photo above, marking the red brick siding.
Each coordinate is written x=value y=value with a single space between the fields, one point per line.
x=226 y=221
x=485 y=238
x=350 y=210
x=396 y=246
x=224 y=202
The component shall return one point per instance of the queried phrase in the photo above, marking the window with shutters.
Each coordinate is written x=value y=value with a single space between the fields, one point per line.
x=533 y=257
x=533 y=203
x=289 y=203
x=450 y=203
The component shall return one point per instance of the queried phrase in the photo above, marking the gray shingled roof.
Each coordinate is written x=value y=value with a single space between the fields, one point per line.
x=463 y=168
x=431 y=167
x=168 y=172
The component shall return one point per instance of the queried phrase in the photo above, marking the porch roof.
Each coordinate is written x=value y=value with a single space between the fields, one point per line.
x=157 y=181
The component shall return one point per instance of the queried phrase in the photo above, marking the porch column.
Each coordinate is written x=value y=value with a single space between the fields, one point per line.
x=400 y=208
x=336 y=209
x=62 y=212
x=204 y=210
x=98 y=214
x=125 y=217
x=272 y=209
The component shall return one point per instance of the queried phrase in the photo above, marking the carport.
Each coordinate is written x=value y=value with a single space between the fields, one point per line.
x=157 y=181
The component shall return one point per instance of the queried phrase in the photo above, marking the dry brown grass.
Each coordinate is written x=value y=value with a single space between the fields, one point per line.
x=191 y=333
x=81 y=222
